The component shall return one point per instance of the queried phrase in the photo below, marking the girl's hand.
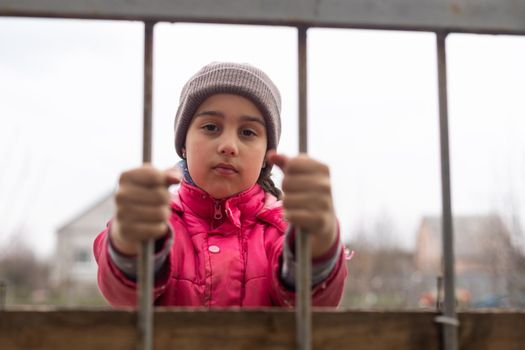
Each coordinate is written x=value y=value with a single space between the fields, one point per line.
x=143 y=207
x=307 y=198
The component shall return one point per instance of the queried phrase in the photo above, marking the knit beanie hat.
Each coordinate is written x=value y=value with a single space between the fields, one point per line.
x=233 y=78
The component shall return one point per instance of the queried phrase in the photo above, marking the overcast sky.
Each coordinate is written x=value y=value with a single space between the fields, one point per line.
x=71 y=116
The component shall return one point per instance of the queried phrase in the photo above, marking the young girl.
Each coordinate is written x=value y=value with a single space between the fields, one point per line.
x=226 y=237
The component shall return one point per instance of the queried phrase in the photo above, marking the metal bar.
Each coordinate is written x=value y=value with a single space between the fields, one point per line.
x=145 y=269
x=302 y=48
x=303 y=308
x=3 y=294
x=448 y=319
x=481 y=16
x=439 y=297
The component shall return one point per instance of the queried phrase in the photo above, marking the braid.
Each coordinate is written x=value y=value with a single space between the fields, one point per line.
x=267 y=184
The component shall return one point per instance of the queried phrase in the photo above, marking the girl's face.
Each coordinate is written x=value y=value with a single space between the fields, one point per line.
x=226 y=145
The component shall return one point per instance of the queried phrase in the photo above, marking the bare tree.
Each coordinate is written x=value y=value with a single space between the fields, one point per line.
x=381 y=273
x=21 y=271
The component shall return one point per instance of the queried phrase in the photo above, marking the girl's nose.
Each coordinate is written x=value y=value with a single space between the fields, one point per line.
x=228 y=147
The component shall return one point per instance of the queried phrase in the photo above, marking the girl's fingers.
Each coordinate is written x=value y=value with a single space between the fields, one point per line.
x=305 y=220
x=306 y=183
x=305 y=201
x=173 y=176
x=146 y=176
x=141 y=231
x=143 y=201
x=278 y=159
x=302 y=164
x=133 y=194
x=143 y=213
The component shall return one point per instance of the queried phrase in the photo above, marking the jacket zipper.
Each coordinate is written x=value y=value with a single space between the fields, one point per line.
x=217 y=214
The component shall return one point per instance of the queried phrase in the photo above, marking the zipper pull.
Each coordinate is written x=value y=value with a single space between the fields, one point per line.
x=217 y=215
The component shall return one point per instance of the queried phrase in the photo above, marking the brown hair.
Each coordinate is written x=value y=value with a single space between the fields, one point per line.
x=267 y=184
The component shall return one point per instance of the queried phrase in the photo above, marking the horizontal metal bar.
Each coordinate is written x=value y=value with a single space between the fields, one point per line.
x=480 y=16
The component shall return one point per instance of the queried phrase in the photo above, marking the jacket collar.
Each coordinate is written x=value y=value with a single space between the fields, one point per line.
x=242 y=206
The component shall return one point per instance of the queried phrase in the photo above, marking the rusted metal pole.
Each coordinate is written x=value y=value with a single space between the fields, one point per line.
x=145 y=268
x=448 y=318
x=303 y=308
x=3 y=295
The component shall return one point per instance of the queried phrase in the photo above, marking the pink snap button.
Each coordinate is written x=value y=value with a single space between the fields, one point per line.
x=214 y=249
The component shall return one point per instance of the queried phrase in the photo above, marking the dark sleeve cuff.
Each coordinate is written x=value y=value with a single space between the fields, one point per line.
x=333 y=251
x=128 y=263
x=321 y=266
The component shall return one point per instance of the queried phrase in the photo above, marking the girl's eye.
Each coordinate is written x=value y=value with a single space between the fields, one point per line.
x=209 y=127
x=248 y=133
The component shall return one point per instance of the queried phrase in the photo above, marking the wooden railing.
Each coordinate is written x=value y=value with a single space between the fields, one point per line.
x=268 y=329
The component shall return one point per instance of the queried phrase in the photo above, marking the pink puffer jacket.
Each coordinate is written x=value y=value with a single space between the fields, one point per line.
x=225 y=253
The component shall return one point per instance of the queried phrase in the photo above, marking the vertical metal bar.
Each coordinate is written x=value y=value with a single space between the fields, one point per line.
x=303 y=104
x=303 y=309
x=448 y=319
x=145 y=269
x=3 y=295
x=439 y=297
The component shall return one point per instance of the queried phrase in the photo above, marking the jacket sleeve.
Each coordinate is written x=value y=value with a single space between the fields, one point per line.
x=321 y=266
x=116 y=287
x=327 y=293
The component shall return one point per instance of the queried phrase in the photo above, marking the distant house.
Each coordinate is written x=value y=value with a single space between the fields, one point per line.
x=482 y=249
x=74 y=264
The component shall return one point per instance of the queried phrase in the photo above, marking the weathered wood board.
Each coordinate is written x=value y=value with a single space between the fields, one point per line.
x=254 y=330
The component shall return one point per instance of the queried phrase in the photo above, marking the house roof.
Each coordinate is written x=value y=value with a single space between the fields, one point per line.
x=101 y=204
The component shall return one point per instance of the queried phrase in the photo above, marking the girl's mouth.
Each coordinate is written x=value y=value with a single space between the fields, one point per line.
x=225 y=169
